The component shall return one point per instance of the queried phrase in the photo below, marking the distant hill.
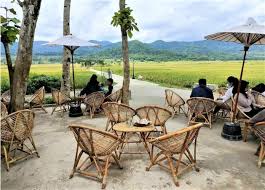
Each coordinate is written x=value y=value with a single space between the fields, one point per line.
x=155 y=51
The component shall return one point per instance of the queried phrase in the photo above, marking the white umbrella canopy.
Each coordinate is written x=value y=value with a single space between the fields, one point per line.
x=71 y=42
x=248 y=34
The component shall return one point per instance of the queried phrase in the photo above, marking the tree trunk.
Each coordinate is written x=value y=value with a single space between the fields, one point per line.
x=126 y=64
x=9 y=64
x=23 y=61
x=65 y=85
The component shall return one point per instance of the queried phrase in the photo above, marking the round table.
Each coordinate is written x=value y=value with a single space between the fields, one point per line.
x=126 y=129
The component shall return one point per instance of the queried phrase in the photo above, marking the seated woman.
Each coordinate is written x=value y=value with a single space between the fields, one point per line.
x=109 y=84
x=246 y=101
x=231 y=82
x=92 y=86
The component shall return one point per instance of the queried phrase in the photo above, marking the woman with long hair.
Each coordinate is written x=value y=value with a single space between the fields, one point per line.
x=246 y=101
x=92 y=86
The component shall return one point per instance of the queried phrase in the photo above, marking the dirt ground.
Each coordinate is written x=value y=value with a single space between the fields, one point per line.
x=223 y=164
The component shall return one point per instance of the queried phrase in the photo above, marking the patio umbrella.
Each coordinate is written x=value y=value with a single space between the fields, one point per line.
x=72 y=43
x=246 y=34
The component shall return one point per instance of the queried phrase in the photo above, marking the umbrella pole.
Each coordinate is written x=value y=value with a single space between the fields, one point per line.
x=239 y=83
x=73 y=72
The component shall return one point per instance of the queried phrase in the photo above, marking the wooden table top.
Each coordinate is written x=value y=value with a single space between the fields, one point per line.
x=124 y=127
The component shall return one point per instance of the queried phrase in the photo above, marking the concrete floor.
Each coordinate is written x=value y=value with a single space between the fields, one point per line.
x=223 y=164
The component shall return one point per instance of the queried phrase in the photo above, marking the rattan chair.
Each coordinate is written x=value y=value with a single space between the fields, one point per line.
x=93 y=102
x=173 y=151
x=259 y=130
x=200 y=109
x=225 y=109
x=99 y=147
x=16 y=136
x=4 y=111
x=117 y=113
x=156 y=115
x=37 y=100
x=61 y=101
x=5 y=97
x=175 y=102
x=114 y=97
x=259 y=98
x=221 y=91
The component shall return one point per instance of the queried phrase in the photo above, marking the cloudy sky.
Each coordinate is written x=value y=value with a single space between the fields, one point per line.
x=169 y=20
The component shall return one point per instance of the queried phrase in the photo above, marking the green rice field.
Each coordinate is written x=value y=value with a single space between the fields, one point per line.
x=170 y=74
x=186 y=73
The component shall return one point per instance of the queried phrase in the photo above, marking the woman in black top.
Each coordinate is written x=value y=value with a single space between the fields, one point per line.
x=92 y=86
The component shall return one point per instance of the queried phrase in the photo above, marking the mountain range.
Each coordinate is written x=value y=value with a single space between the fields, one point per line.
x=156 y=51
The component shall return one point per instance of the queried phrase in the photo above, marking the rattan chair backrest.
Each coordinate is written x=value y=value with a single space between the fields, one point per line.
x=94 y=99
x=178 y=141
x=38 y=96
x=17 y=126
x=157 y=115
x=259 y=98
x=94 y=141
x=4 y=111
x=200 y=105
x=259 y=130
x=173 y=99
x=115 y=96
x=5 y=97
x=118 y=112
x=58 y=97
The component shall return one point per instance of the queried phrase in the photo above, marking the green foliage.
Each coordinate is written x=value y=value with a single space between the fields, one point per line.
x=9 y=27
x=48 y=100
x=124 y=19
x=38 y=81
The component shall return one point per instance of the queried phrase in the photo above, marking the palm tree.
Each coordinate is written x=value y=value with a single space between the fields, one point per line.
x=127 y=24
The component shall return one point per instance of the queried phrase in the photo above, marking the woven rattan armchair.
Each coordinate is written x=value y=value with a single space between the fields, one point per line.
x=172 y=151
x=174 y=102
x=200 y=109
x=5 y=97
x=225 y=109
x=36 y=101
x=99 y=147
x=259 y=130
x=93 y=102
x=61 y=101
x=4 y=111
x=16 y=136
x=117 y=113
x=156 y=115
x=259 y=98
x=114 y=97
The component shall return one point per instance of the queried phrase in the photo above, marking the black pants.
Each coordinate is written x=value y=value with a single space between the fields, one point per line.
x=253 y=112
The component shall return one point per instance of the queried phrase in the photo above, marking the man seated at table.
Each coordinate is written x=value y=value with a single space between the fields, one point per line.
x=202 y=90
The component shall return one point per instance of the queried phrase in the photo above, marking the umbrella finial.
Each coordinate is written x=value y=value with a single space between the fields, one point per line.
x=251 y=21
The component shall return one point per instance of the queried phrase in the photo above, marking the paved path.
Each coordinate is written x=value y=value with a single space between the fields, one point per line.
x=223 y=164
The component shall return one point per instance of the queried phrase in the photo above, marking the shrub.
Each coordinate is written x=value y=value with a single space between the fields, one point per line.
x=37 y=81
x=4 y=86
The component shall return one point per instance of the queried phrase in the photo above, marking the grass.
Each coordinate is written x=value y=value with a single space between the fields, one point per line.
x=82 y=74
x=186 y=73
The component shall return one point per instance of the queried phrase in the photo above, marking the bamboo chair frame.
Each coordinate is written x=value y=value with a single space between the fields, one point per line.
x=174 y=102
x=259 y=98
x=200 y=108
x=114 y=97
x=225 y=110
x=100 y=147
x=117 y=113
x=36 y=101
x=5 y=97
x=4 y=111
x=16 y=130
x=93 y=102
x=158 y=116
x=261 y=134
x=221 y=91
x=61 y=101
x=174 y=147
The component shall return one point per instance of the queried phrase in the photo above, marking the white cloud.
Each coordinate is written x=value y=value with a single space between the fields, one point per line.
x=168 y=20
